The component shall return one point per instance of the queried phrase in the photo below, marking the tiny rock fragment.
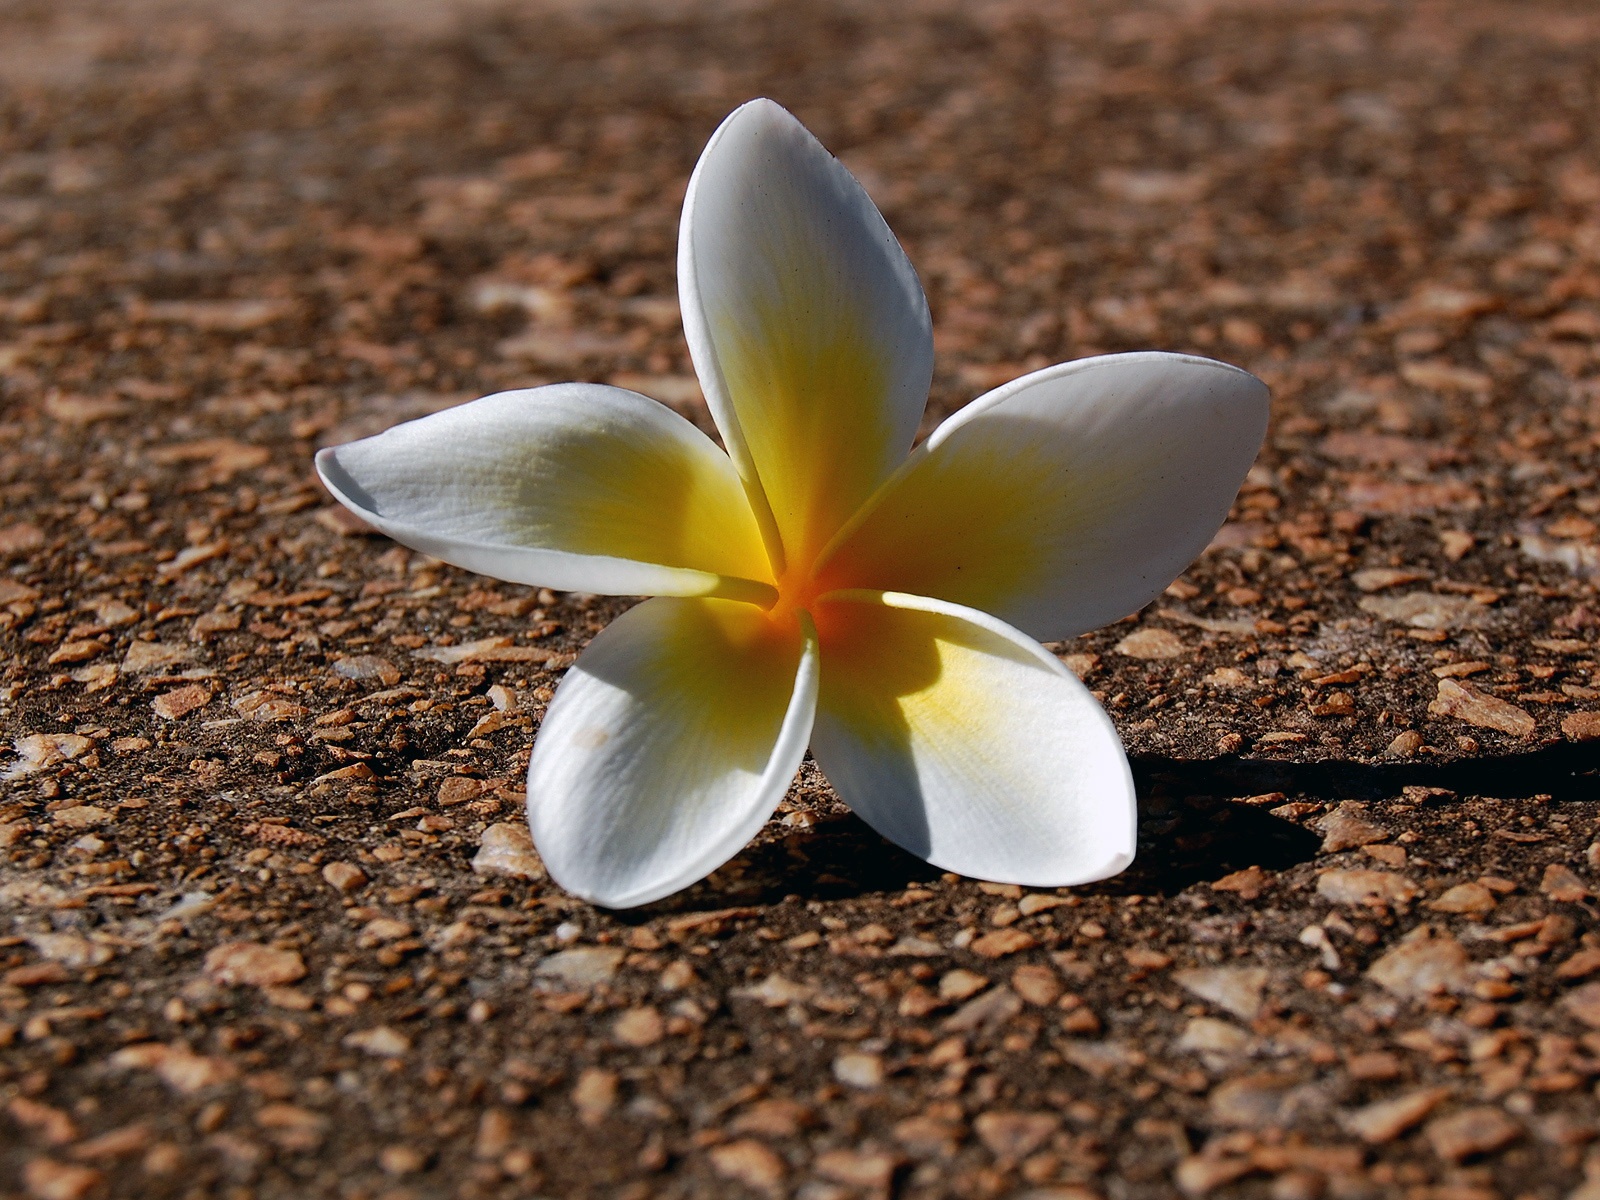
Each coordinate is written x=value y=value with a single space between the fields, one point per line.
x=776 y=1116
x=1036 y=984
x=1582 y=964
x=1456 y=544
x=1247 y=884
x=1081 y=665
x=1581 y=726
x=866 y=1169
x=1346 y=827
x=384 y=929
x=1385 y=1120
x=1425 y=963
x=1200 y=1175
x=81 y=816
x=50 y=1124
x=401 y=1159
x=12 y=592
x=1150 y=644
x=1230 y=678
x=287 y=835
x=961 y=984
x=367 y=667
x=266 y=708
x=749 y=1162
x=638 y=1027
x=1003 y=942
x=343 y=876
x=507 y=849
x=1280 y=738
x=116 y=1143
x=1234 y=989
x=909 y=947
x=1376 y=579
x=382 y=1041
x=70 y=949
x=36 y=975
x=208 y=625
x=164 y=1158
x=1426 y=610
x=1377 y=1065
x=180 y=702
x=1100 y=1059
x=39 y=751
x=458 y=789
x=494 y=650
x=594 y=1095
x=1207 y=1035
x=490 y=723
x=1260 y=1101
x=582 y=966
x=1362 y=886
x=994 y=1007
x=145 y=657
x=927 y=1137
x=1561 y=883
x=1012 y=1136
x=20 y=538
x=1470 y=899
x=250 y=964
x=1466 y=703
x=1038 y=902
x=338 y=519
x=232 y=316
x=495 y=1134
x=98 y=676
x=1470 y=1132
x=1584 y=1003
x=76 y=652
x=859 y=1070
x=292 y=1127
x=1441 y=376
x=775 y=991
x=47 y=1179
x=1144 y=959
x=180 y=1068
x=1380 y=498
x=1406 y=744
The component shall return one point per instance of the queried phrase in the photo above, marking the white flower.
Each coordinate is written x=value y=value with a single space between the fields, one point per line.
x=817 y=584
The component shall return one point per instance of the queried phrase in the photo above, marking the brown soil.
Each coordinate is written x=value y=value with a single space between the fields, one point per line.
x=247 y=953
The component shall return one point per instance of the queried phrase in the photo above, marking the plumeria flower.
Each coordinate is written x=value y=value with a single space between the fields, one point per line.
x=822 y=584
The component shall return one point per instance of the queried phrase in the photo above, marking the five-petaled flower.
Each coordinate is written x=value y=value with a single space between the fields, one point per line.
x=821 y=583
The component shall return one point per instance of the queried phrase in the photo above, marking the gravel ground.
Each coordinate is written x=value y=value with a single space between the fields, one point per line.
x=272 y=927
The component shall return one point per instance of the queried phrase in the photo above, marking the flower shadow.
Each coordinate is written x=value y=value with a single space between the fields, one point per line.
x=1190 y=829
x=1186 y=837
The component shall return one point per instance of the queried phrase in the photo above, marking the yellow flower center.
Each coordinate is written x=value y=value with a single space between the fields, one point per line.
x=798 y=589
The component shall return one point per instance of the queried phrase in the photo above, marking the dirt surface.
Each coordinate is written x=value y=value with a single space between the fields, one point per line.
x=269 y=927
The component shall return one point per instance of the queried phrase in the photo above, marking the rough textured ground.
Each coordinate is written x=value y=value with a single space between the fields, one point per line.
x=269 y=931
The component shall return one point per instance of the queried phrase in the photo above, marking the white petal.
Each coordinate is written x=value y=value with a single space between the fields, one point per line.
x=668 y=746
x=1068 y=498
x=968 y=744
x=575 y=486
x=806 y=321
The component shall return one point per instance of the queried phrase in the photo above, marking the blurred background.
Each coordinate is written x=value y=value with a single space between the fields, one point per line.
x=423 y=200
